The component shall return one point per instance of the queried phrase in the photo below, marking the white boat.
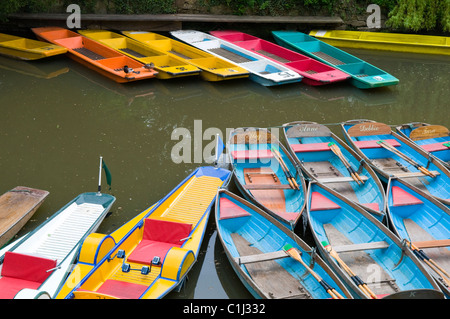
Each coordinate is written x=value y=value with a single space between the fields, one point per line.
x=36 y=265
x=262 y=70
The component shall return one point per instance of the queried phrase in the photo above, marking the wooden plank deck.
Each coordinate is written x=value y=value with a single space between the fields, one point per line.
x=163 y=22
x=273 y=279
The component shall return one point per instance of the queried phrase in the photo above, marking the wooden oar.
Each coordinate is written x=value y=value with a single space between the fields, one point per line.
x=285 y=169
x=406 y=158
x=294 y=253
x=358 y=281
x=336 y=150
x=430 y=262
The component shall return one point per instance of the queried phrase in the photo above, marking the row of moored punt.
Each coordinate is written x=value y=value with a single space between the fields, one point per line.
x=376 y=206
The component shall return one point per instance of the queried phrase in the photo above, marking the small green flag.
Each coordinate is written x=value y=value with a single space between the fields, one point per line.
x=107 y=174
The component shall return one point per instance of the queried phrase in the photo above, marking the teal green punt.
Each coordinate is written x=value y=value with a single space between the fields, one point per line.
x=364 y=75
x=364 y=252
x=425 y=222
x=255 y=244
x=404 y=159
x=324 y=157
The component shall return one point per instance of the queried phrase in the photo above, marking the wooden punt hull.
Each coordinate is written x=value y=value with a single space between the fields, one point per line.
x=260 y=175
x=364 y=135
x=364 y=75
x=309 y=146
x=262 y=70
x=313 y=71
x=212 y=68
x=53 y=245
x=96 y=56
x=414 y=43
x=425 y=222
x=168 y=67
x=16 y=208
x=27 y=49
x=434 y=139
x=253 y=242
x=123 y=265
x=367 y=247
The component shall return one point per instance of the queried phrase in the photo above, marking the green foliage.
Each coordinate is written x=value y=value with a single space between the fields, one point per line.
x=415 y=15
x=144 y=6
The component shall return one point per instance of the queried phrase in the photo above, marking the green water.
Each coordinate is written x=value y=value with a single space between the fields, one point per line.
x=59 y=117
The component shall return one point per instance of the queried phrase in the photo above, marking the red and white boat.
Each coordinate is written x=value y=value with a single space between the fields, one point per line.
x=313 y=71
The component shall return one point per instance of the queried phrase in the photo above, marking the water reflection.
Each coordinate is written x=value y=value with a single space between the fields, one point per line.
x=54 y=128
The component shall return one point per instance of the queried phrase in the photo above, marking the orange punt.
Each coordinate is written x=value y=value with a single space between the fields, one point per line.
x=96 y=56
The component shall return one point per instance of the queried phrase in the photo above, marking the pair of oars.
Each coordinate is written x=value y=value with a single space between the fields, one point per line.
x=297 y=255
x=336 y=150
x=358 y=281
x=430 y=262
x=389 y=147
x=285 y=169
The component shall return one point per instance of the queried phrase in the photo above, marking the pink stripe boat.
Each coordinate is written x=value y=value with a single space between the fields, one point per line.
x=313 y=71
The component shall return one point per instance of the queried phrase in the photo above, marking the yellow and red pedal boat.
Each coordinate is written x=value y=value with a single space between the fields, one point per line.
x=151 y=254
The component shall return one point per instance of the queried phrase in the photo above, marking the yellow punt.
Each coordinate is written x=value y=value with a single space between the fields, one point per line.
x=168 y=67
x=212 y=68
x=399 y=42
x=151 y=254
x=27 y=49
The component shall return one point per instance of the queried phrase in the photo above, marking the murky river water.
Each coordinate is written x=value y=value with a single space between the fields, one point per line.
x=59 y=117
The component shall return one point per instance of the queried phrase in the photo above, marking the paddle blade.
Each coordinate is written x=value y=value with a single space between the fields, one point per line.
x=287 y=247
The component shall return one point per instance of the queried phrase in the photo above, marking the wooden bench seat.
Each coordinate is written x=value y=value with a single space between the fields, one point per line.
x=267 y=186
x=359 y=247
x=261 y=257
x=374 y=144
x=434 y=147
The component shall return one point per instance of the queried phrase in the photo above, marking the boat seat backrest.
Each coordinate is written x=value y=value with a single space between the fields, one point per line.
x=165 y=231
x=27 y=267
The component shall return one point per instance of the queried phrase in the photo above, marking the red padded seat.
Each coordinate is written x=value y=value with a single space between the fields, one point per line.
x=159 y=236
x=21 y=271
x=374 y=144
x=251 y=154
x=320 y=202
x=311 y=147
x=228 y=209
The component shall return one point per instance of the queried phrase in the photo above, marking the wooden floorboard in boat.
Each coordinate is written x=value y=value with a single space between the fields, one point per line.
x=440 y=255
x=391 y=166
x=362 y=264
x=273 y=199
x=328 y=58
x=227 y=54
x=273 y=279
x=273 y=56
x=324 y=169
x=90 y=54
x=133 y=53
